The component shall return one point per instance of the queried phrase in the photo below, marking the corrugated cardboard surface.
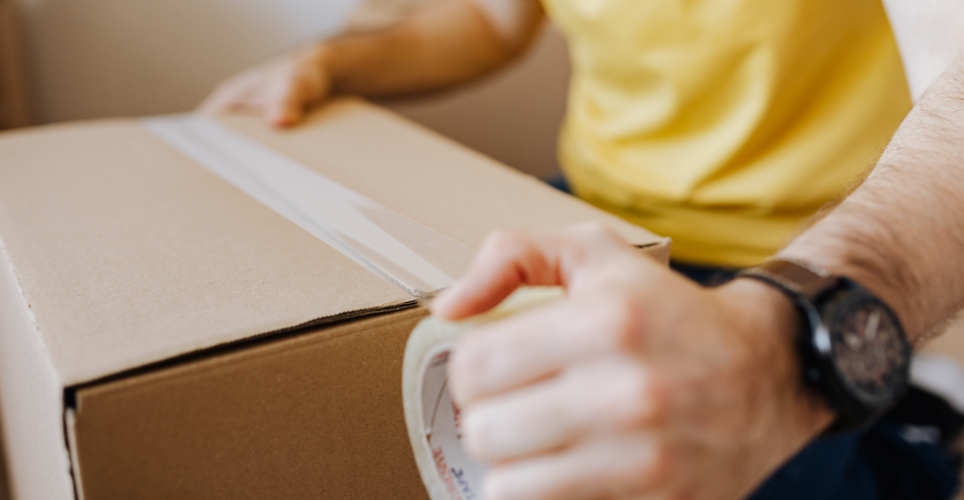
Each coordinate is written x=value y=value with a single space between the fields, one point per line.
x=426 y=176
x=317 y=415
x=137 y=280
x=32 y=400
x=129 y=253
x=14 y=105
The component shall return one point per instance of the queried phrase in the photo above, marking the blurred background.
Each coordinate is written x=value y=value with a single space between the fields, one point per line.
x=84 y=59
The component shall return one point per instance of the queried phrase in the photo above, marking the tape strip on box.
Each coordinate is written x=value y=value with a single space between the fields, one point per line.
x=433 y=419
x=414 y=257
x=418 y=259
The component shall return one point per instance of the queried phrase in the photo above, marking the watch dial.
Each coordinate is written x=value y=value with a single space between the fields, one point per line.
x=870 y=353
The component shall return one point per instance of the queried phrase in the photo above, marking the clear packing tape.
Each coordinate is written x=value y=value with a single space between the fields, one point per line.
x=412 y=256
x=416 y=258
x=433 y=419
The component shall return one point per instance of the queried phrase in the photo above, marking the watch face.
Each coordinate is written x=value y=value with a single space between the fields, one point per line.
x=869 y=351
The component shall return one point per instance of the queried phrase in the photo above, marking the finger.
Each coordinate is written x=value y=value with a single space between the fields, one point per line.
x=295 y=86
x=534 y=344
x=606 y=467
x=600 y=396
x=509 y=259
x=285 y=100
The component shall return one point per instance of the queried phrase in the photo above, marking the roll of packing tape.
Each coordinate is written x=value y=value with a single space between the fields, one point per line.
x=433 y=419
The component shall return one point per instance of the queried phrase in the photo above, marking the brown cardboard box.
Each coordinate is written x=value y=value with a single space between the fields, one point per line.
x=14 y=105
x=164 y=335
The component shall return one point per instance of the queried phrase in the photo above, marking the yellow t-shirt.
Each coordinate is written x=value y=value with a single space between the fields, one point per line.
x=724 y=123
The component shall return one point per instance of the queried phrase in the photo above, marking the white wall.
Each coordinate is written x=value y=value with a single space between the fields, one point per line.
x=96 y=58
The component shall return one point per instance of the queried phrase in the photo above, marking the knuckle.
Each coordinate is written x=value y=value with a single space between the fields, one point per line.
x=641 y=407
x=656 y=394
x=658 y=470
x=619 y=319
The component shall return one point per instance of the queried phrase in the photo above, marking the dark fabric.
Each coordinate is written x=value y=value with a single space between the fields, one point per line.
x=704 y=275
x=561 y=183
x=923 y=409
x=888 y=461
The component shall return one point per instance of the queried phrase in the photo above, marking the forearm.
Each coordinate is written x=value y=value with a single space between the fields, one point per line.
x=440 y=46
x=901 y=234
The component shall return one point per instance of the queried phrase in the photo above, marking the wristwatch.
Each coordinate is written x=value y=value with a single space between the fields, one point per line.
x=852 y=347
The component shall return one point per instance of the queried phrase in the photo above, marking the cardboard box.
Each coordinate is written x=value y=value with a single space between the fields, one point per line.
x=164 y=335
x=14 y=102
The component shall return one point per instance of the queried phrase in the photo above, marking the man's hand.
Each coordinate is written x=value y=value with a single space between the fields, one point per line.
x=639 y=384
x=280 y=90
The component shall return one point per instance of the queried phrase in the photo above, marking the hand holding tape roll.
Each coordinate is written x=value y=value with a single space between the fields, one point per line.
x=634 y=383
x=433 y=419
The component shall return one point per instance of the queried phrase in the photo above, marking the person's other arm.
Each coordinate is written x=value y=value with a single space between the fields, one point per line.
x=640 y=384
x=444 y=44
x=902 y=232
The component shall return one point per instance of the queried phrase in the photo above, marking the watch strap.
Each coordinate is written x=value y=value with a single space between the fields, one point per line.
x=812 y=289
x=797 y=278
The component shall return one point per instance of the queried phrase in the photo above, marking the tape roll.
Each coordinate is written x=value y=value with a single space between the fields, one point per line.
x=433 y=419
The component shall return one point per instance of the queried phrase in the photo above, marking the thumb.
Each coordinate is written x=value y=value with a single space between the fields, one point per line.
x=510 y=259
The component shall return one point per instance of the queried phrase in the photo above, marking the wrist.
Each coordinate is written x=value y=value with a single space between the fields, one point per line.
x=770 y=312
x=768 y=319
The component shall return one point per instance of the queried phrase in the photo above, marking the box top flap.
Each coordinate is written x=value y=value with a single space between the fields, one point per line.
x=129 y=253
